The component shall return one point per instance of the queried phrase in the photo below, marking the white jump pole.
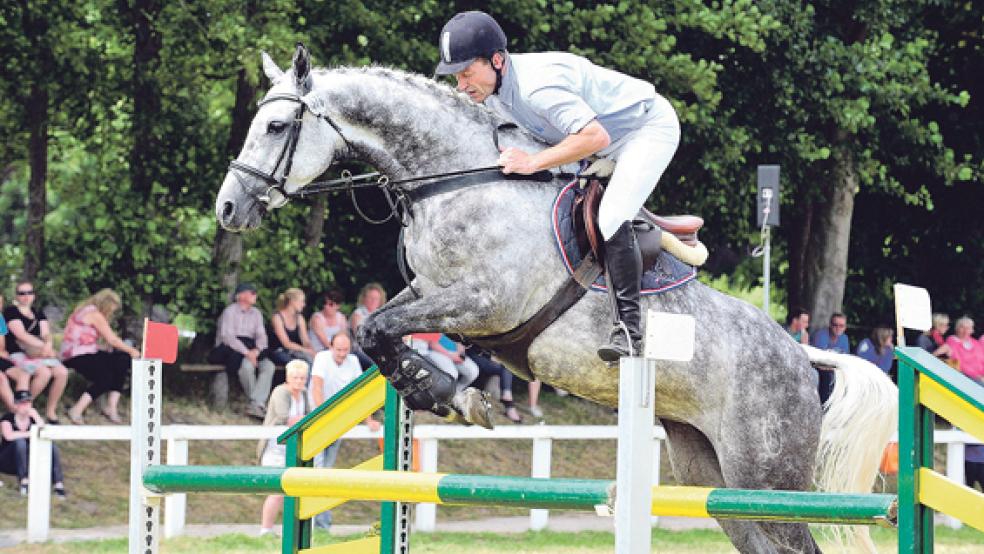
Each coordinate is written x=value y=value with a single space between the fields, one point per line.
x=634 y=492
x=145 y=450
x=671 y=338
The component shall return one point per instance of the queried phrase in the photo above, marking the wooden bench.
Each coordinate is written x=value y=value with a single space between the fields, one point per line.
x=220 y=381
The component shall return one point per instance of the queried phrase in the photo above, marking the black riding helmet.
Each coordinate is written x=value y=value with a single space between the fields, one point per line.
x=467 y=37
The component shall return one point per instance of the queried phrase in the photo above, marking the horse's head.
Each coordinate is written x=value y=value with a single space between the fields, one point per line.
x=286 y=148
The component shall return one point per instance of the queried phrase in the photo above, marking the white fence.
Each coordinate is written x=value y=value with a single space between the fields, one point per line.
x=178 y=437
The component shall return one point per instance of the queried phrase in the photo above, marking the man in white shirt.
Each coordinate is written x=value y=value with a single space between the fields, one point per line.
x=332 y=370
x=580 y=110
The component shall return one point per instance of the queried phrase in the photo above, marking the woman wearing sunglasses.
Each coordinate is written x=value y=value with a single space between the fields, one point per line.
x=29 y=343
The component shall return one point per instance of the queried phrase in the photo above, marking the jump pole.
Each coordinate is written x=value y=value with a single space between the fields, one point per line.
x=668 y=337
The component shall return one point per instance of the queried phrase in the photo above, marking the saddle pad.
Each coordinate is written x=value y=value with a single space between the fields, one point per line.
x=667 y=273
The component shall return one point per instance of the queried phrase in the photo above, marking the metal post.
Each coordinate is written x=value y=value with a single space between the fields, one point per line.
x=636 y=389
x=145 y=450
x=765 y=268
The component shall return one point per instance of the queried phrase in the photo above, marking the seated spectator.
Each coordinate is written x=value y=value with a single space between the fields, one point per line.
x=448 y=356
x=239 y=341
x=15 y=435
x=487 y=368
x=107 y=370
x=833 y=337
x=333 y=369
x=879 y=349
x=6 y=393
x=797 y=325
x=290 y=336
x=974 y=465
x=289 y=403
x=470 y=404
x=29 y=343
x=968 y=351
x=371 y=298
x=933 y=340
x=328 y=321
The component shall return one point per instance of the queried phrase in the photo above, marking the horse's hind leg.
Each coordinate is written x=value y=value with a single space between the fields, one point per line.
x=768 y=442
x=695 y=463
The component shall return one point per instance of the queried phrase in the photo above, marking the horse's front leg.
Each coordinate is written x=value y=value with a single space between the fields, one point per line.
x=421 y=383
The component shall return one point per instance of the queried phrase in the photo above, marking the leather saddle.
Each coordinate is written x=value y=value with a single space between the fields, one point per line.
x=648 y=226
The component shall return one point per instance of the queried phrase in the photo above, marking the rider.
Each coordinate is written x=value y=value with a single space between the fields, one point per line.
x=581 y=110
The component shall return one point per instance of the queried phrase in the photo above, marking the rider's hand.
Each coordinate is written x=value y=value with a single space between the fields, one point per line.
x=514 y=160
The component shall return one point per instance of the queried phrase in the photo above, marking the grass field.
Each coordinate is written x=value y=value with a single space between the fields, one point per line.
x=964 y=541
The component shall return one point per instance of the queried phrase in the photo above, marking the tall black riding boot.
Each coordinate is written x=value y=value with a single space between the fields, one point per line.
x=623 y=267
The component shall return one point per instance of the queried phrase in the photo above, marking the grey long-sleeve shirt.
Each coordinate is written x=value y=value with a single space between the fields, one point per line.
x=236 y=322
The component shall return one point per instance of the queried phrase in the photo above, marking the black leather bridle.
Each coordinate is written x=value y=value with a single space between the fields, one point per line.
x=286 y=156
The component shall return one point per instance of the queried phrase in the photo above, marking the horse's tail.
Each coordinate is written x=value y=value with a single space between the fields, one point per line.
x=859 y=419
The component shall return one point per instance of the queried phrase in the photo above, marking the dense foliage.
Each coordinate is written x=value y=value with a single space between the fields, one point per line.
x=877 y=101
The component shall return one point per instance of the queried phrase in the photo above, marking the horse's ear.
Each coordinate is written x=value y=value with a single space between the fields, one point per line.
x=273 y=72
x=302 y=68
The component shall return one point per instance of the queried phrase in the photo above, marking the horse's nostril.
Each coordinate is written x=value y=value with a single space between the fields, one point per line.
x=227 y=210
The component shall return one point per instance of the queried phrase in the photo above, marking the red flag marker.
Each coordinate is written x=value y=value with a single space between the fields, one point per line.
x=160 y=341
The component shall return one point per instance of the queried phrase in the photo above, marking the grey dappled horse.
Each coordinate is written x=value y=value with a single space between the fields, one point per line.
x=744 y=413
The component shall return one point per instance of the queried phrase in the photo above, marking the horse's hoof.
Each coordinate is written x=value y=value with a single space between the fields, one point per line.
x=475 y=406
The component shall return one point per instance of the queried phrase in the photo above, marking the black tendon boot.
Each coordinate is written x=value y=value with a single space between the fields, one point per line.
x=623 y=267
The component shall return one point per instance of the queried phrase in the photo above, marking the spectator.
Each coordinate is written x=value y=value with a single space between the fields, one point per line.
x=879 y=349
x=797 y=325
x=533 y=390
x=933 y=340
x=328 y=321
x=487 y=368
x=15 y=434
x=289 y=403
x=968 y=351
x=6 y=393
x=106 y=370
x=239 y=341
x=333 y=369
x=833 y=337
x=29 y=343
x=448 y=356
x=371 y=298
x=974 y=465
x=290 y=336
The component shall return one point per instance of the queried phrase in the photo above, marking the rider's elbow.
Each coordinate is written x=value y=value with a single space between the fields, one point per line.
x=599 y=136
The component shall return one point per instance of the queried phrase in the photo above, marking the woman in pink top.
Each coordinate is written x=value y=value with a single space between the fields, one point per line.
x=106 y=369
x=967 y=350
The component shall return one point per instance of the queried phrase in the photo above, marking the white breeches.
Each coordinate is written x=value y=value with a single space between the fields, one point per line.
x=640 y=159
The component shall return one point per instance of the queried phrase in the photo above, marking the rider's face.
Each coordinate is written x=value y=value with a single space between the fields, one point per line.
x=478 y=79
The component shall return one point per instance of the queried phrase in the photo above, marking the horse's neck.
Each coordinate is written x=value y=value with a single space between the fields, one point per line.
x=405 y=127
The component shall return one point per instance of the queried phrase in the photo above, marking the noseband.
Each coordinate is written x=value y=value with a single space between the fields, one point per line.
x=286 y=156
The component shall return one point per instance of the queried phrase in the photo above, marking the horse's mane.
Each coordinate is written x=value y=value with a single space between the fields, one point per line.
x=444 y=94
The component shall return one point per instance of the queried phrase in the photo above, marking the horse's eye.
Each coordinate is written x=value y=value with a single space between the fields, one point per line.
x=276 y=127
